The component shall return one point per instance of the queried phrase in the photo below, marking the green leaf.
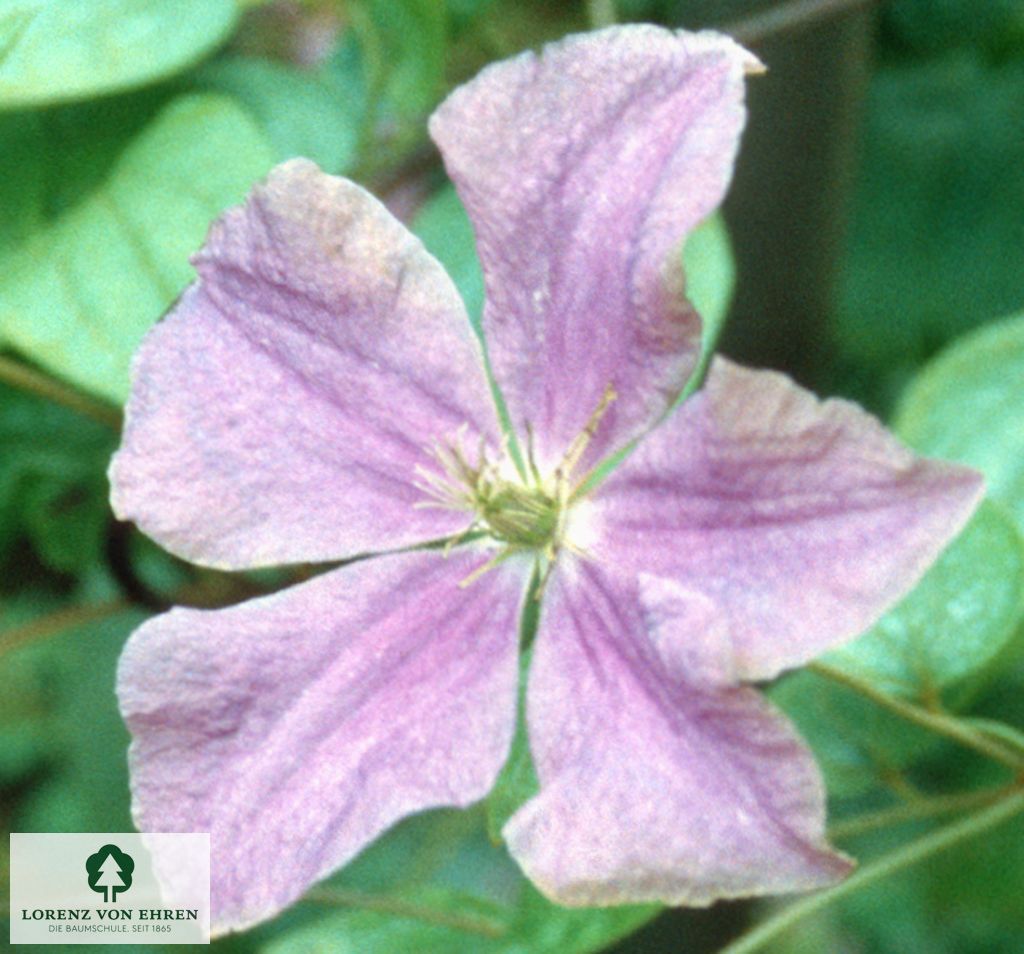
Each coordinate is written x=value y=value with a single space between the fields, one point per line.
x=534 y=925
x=444 y=228
x=968 y=405
x=956 y=620
x=935 y=240
x=462 y=13
x=927 y=26
x=55 y=51
x=27 y=723
x=710 y=281
x=857 y=744
x=86 y=741
x=53 y=488
x=301 y=113
x=105 y=204
x=406 y=924
x=403 y=43
x=978 y=883
x=436 y=885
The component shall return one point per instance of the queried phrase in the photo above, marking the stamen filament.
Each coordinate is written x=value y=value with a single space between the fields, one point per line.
x=522 y=516
x=486 y=567
x=579 y=445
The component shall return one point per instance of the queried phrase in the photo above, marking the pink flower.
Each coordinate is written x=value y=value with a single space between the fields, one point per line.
x=318 y=394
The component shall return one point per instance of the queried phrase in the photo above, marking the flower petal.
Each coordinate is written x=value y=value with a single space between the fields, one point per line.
x=296 y=727
x=801 y=520
x=280 y=411
x=653 y=789
x=582 y=170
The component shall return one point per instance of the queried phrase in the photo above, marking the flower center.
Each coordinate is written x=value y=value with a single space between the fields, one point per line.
x=524 y=515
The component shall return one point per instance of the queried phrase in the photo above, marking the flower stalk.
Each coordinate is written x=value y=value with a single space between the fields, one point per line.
x=952 y=728
x=910 y=854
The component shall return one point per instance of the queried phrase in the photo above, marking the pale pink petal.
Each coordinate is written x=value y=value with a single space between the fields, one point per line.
x=653 y=788
x=280 y=411
x=582 y=170
x=800 y=520
x=295 y=728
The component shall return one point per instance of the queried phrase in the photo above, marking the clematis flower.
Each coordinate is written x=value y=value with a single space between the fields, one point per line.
x=318 y=394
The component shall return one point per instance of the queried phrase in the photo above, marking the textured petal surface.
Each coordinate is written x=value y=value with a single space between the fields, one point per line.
x=800 y=520
x=296 y=727
x=582 y=170
x=653 y=789
x=280 y=411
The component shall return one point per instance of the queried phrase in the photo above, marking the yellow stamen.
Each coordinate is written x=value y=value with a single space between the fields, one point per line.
x=487 y=567
x=524 y=517
x=582 y=441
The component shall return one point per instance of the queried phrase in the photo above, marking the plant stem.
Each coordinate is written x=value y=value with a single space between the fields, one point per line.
x=904 y=857
x=999 y=730
x=29 y=379
x=916 y=810
x=787 y=17
x=51 y=624
x=945 y=725
x=485 y=927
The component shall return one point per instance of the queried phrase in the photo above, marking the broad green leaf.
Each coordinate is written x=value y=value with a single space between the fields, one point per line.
x=977 y=882
x=968 y=405
x=436 y=885
x=87 y=787
x=96 y=243
x=935 y=243
x=300 y=112
x=710 y=282
x=983 y=876
x=462 y=13
x=955 y=621
x=27 y=721
x=53 y=489
x=60 y=50
x=444 y=228
x=403 y=45
x=892 y=916
x=857 y=744
x=406 y=924
x=533 y=926
x=927 y=26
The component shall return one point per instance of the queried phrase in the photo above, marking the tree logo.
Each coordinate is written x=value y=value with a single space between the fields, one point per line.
x=110 y=871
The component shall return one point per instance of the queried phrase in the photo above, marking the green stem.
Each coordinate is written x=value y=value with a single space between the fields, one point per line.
x=945 y=725
x=486 y=927
x=999 y=730
x=904 y=857
x=54 y=623
x=787 y=17
x=28 y=379
x=916 y=810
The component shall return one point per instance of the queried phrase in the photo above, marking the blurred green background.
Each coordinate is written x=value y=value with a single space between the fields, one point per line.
x=877 y=228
